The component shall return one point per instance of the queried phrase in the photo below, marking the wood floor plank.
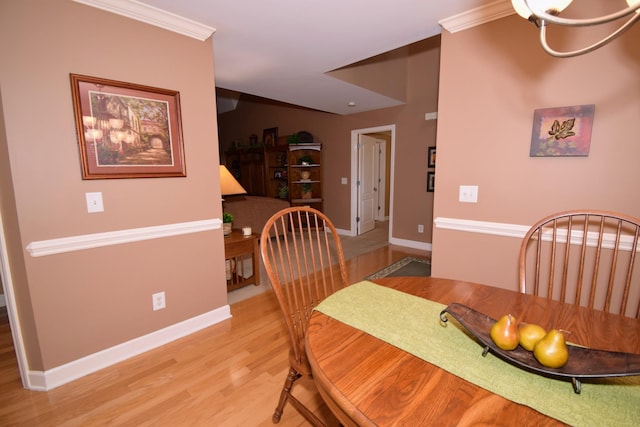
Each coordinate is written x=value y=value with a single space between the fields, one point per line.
x=229 y=374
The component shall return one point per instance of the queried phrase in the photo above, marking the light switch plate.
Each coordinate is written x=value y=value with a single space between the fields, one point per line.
x=94 y=202
x=468 y=194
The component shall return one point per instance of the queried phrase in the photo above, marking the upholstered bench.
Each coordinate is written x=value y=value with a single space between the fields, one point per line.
x=253 y=211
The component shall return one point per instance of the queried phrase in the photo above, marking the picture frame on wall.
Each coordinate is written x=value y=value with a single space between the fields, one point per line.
x=127 y=130
x=269 y=137
x=431 y=181
x=431 y=157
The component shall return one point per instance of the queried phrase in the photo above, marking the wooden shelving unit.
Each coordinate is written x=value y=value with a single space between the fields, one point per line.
x=277 y=171
x=305 y=175
x=248 y=166
x=266 y=171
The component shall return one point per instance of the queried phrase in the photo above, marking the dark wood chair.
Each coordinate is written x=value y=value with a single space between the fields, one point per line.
x=304 y=260
x=596 y=268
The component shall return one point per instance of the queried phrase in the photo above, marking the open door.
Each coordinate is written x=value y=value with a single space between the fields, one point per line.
x=372 y=157
x=367 y=184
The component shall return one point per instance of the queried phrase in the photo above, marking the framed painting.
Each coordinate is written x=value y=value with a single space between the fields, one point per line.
x=127 y=130
x=269 y=137
x=562 y=131
x=431 y=157
x=431 y=182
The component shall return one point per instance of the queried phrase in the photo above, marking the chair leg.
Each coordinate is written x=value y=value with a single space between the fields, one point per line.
x=284 y=395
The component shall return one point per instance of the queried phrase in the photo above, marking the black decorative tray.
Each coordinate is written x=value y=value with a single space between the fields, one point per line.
x=583 y=362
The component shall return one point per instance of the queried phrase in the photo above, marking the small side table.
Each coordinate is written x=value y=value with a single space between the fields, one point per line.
x=237 y=250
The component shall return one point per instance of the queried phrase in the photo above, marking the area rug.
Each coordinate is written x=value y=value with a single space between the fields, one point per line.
x=407 y=266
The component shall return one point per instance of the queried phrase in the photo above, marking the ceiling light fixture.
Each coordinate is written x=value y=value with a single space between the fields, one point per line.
x=543 y=12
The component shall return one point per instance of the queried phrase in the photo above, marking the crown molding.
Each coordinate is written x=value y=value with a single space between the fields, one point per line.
x=478 y=16
x=154 y=16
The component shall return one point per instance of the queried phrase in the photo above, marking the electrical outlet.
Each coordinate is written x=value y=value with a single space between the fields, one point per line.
x=420 y=228
x=158 y=301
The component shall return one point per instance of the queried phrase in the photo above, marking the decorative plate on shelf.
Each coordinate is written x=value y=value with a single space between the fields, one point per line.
x=583 y=362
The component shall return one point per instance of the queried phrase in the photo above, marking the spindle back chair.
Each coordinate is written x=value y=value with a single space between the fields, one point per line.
x=304 y=261
x=583 y=257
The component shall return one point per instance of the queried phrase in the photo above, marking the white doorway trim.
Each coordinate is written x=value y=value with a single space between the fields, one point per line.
x=382 y=181
x=355 y=136
x=14 y=319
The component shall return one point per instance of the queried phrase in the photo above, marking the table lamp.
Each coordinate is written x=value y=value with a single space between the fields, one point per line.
x=228 y=186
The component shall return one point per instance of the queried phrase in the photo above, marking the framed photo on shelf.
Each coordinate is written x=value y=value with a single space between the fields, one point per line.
x=269 y=137
x=277 y=175
x=431 y=181
x=127 y=130
x=431 y=157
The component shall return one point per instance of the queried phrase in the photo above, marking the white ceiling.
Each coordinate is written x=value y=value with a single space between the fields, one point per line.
x=282 y=49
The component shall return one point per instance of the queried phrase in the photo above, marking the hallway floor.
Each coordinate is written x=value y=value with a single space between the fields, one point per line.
x=352 y=247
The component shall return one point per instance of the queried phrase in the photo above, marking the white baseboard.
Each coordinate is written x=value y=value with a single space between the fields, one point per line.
x=47 y=380
x=343 y=232
x=410 y=244
x=393 y=241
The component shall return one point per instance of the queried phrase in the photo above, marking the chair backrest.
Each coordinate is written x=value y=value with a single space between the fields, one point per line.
x=594 y=270
x=305 y=264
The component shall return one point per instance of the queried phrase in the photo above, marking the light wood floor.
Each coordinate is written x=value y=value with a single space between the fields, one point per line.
x=229 y=374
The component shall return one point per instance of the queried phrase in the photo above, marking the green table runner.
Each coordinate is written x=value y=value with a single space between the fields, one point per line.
x=413 y=325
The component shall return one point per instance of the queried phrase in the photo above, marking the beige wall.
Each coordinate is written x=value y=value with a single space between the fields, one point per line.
x=77 y=303
x=412 y=204
x=492 y=79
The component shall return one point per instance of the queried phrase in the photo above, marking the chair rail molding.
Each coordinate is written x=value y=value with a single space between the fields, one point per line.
x=96 y=240
x=518 y=231
x=482 y=227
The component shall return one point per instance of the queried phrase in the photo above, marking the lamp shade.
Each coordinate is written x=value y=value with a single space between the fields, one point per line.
x=539 y=5
x=228 y=184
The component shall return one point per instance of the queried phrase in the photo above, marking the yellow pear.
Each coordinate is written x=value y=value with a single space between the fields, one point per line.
x=551 y=351
x=529 y=334
x=504 y=332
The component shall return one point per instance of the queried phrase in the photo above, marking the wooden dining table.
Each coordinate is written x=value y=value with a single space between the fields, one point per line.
x=366 y=381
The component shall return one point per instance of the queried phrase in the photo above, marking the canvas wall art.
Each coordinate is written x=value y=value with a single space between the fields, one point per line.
x=562 y=131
